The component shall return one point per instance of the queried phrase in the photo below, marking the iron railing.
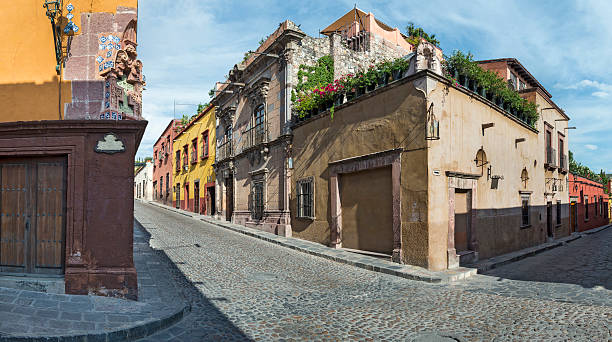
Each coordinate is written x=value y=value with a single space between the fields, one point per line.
x=224 y=151
x=255 y=136
x=563 y=162
x=550 y=157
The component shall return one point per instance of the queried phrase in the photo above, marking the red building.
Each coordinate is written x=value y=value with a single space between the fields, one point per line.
x=162 y=164
x=588 y=204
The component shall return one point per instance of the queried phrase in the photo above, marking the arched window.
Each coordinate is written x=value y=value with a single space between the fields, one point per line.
x=259 y=128
x=481 y=158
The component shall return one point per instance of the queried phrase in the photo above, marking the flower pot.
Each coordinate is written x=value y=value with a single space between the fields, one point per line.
x=489 y=95
x=360 y=90
x=473 y=85
x=371 y=87
x=397 y=74
x=338 y=99
x=350 y=95
x=455 y=73
x=383 y=80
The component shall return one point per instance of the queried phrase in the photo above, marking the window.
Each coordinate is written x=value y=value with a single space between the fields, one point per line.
x=161 y=186
x=305 y=198
x=258 y=200
x=259 y=125
x=513 y=81
x=601 y=207
x=558 y=212
x=525 y=221
x=194 y=151
x=586 y=208
x=595 y=201
x=185 y=153
x=521 y=85
x=205 y=144
x=178 y=160
x=167 y=183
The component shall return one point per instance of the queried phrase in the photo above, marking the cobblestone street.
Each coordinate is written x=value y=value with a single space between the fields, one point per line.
x=242 y=288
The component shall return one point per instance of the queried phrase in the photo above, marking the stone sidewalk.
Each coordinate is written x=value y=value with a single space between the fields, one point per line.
x=501 y=260
x=37 y=316
x=338 y=255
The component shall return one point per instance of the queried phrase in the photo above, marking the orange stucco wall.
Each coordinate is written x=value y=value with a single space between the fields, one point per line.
x=29 y=85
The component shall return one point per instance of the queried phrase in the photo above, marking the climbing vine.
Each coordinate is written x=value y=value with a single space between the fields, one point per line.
x=310 y=77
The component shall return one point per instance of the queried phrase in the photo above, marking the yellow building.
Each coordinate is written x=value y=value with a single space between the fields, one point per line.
x=194 y=156
x=37 y=80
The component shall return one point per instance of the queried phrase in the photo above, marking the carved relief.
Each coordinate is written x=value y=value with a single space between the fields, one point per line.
x=258 y=92
x=123 y=77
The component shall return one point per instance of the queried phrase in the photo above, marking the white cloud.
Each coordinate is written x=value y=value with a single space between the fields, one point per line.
x=600 y=94
x=591 y=147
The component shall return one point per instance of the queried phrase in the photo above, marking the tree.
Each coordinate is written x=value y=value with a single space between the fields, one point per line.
x=415 y=34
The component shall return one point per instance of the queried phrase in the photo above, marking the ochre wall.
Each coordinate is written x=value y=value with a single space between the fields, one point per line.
x=29 y=85
x=202 y=169
x=387 y=119
x=497 y=223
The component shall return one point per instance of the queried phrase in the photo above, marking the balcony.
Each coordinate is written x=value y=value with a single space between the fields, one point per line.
x=551 y=161
x=255 y=136
x=225 y=151
x=563 y=163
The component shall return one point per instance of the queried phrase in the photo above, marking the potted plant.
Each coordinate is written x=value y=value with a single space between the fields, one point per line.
x=384 y=72
x=370 y=78
x=398 y=67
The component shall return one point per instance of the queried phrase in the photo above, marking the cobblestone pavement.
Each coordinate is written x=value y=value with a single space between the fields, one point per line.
x=39 y=315
x=242 y=288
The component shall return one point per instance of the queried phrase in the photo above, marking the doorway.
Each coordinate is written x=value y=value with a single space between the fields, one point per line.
x=210 y=200
x=229 y=198
x=33 y=207
x=196 y=197
x=186 y=196
x=178 y=196
x=462 y=220
x=549 y=218
x=573 y=217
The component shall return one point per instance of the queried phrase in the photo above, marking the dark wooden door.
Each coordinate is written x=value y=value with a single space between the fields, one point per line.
x=229 y=198
x=549 y=224
x=196 y=197
x=32 y=215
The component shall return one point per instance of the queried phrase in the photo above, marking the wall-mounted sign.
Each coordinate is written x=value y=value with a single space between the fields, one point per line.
x=110 y=144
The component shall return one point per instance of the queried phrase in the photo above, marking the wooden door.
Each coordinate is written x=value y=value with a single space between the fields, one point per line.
x=32 y=215
x=549 y=224
x=196 y=197
x=229 y=198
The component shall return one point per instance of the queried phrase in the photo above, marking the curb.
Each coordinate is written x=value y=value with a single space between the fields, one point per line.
x=340 y=256
x=128 y=334
x=531 y=251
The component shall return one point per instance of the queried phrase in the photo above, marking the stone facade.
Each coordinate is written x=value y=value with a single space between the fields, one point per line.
x=254 y=151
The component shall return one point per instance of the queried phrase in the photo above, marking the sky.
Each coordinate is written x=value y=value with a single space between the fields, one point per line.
x=188 y=45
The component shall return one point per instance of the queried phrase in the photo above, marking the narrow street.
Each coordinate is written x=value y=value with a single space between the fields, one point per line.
x=242 y=288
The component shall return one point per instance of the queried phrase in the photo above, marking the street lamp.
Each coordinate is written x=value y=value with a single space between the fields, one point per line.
x=53 y=9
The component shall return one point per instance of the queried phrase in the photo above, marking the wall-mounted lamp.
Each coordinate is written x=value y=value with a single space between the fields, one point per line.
x=53 y=11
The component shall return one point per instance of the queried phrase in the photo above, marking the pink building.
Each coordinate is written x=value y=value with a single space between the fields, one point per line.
x=162 y=164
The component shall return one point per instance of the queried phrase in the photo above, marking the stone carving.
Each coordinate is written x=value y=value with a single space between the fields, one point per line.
x=110 y=144
x=258 y=92
x=426 y=58
x=123 y=75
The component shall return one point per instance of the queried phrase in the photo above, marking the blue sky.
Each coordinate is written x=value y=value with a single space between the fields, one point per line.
x=188 y=45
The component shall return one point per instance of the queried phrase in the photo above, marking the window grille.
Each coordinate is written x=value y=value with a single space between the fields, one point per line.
x=305 y=198
x=258 y=200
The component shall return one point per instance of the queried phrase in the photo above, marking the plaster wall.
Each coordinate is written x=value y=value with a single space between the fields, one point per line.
x=201 y=170
x=583 y=190
x=29 y=85
x=386 y=119
x=143 y=180
x=163 y=163
x=497 y=221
